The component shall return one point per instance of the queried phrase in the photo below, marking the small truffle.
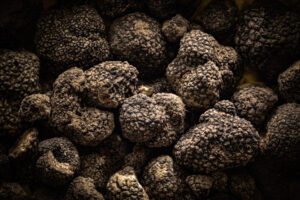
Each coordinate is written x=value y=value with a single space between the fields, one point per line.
x=58 y=161
x=76 y=39
x=174 y=28
x=156 y=121
x=289 y=83
x=83 y=189
x=254 y=102
x=124 y=185
x=137 y=38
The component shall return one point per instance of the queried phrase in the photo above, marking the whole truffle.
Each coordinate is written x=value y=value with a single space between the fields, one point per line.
x=83 y=189
x=124 y=185
x=283 y=137
x=58 y=161
x=137 y=38
x=174 y=28
x=254 y=102
x=220 y=141
x=200 y=184
x=203 y=70
x=162 y=178
x=19 y=73
x=156 y=121
x=161 y=8
x=35 y=107
x=109 y=83
x=289 y=83
x=75 y=39
x=268 y=37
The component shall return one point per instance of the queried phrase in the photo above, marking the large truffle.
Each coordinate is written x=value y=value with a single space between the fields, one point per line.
x=156 y=121
x=289 y=83
x=137 y=38
x=268 y=37
x=109 y=83
x=203 y=70
x=58 y=161
x=75 y=39
x=219 y=142
x=19 y=73
x=254 y=102
x=283 y=137
x=124 y=185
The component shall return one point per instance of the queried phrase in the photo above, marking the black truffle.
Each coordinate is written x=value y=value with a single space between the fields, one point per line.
x=174 y=28
x=201 y=185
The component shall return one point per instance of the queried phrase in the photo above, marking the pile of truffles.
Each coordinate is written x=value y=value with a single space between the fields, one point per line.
x=149 y=100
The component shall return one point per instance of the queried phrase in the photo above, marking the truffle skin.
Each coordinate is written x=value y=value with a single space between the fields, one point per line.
x=254 y=102
x=76 y=39
x=162 y=178
x=35 y=107
x=225 y=106
x=25 y=146
x=155 y=121
x=138 y=158
x=115 y=8
x=109 y=83
x=283 y=137
x=221 y=141
x=137 y=38
x=267 y=37
x=19 y=73
x=203 y=70
x=83 y=125
x=200 y=184
x=124 y=185
x=83 y=189
x=58 y=161
x=174 y=28
x=161 y=8
x=289 y=83
x=219 y=17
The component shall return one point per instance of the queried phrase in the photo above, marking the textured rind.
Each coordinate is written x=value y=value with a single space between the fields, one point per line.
x=267 y=35
x=58 y=161
x=83 y=189
x=162 y=178
x=283 y=137
x=19 y=73
x=289 y=83
x=137 y=38
x=225 y=106
x=156 y=121
x=138 y=158
x=110 y=82
x=35 y=107
x=254 y=102
x=174 y=28
x=76 y=39
x=203 y=70
x=200 y=184
x=124 y=185
x=221 y=141
x=161 y=8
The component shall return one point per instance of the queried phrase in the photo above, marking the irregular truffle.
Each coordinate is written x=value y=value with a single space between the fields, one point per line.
x=254 y=102
x=289 y=83
x=283 y=137
x=200 y=184
x=162 y=178
x=203 y=70
x=124 y=185
x=109 y=83
x=174 y=28
x=35 y=107
x=155 y=121
x=83 y=189
x=137 y=39
x=19 y=73
x=161 y=8
x=219 y=142
x=76 y=39
x=58 y=161
x=268 y=37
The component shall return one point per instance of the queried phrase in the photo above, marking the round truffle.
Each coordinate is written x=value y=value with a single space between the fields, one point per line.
x=289 y=83
x=109 y=83
x=174 y=28
x=75 y=39
x=137 y=38
x=124 y=185
x=254 y=102
x=58 y=161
